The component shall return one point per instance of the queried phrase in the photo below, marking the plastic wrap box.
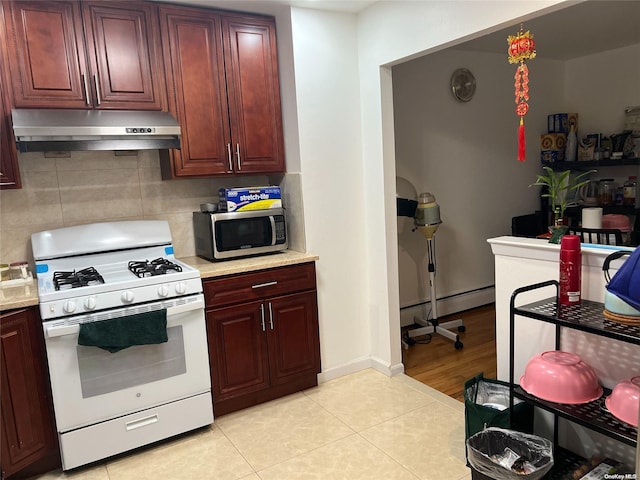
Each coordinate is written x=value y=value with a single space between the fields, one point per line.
x=561 y=122
x=249 y=198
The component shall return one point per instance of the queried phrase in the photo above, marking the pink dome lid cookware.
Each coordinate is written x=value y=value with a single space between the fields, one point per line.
x=561 y=377
x=624 y=401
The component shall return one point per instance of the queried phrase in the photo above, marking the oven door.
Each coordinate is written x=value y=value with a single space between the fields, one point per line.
x=90 y=385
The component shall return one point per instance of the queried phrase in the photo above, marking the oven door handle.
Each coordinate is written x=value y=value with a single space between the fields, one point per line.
x=62 y=330
x=184 y=308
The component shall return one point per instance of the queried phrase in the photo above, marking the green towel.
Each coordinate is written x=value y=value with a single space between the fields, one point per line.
x=119 y=333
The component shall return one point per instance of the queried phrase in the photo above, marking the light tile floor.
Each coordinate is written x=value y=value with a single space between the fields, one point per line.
x=360 y=426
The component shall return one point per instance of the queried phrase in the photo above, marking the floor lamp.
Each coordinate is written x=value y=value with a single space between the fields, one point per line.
x=427 y=220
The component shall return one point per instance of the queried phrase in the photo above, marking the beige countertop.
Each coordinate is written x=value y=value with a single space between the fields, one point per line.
x=19 y=296
x=228 y=267
x=27 y=295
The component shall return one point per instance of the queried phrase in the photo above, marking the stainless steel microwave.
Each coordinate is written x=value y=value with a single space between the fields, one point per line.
x=221 y=236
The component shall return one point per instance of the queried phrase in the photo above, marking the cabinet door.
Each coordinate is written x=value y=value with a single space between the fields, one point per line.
x=254 y=94
x=46 y=54
x=27 y=422
x=237 y=350
x=192 y=42
x=292 y=328
x=9 y=172
x=123 y=42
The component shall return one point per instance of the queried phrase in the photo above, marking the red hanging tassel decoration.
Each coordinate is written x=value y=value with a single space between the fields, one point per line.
x=521 y=144
x=521 y=48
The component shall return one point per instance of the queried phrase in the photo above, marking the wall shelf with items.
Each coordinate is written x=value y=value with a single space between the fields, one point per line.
x=586 y=165
x=586 y=317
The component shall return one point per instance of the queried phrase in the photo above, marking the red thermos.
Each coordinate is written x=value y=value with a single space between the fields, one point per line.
x=570 y=270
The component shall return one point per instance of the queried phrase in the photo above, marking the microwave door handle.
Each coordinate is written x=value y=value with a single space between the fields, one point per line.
x=272 y=219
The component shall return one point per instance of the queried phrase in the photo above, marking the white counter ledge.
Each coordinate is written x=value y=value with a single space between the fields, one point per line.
x=210 y=269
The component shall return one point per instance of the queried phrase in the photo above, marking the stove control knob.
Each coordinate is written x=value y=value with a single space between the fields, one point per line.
x=127 y=296
x=181 y=288
x=69 y=306
x=90 y=303
x=163 y=290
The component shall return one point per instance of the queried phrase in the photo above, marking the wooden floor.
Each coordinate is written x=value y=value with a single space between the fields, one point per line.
x=439 y=365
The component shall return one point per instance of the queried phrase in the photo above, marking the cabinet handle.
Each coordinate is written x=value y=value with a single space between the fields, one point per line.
x=270 y=316
x=268 y=284
x=95 y=80
x=86 y=89
x=238 y=156
x=262 y=316
x=229 y=157
x=2 y=184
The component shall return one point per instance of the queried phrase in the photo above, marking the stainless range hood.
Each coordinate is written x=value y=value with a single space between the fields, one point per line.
x=41 y=130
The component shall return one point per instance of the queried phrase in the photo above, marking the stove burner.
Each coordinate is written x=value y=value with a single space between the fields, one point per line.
x=147 y=268
x=81 y=278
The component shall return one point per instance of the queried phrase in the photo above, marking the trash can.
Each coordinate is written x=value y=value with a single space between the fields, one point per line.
x=486 y=404
x=502 y=454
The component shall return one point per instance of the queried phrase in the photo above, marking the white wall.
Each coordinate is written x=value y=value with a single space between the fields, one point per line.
x=599 y=87
x=328 y=106
x=465 y=154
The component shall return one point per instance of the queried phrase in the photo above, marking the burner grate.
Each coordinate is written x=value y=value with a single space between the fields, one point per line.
x=159 y=266
x=75 y=279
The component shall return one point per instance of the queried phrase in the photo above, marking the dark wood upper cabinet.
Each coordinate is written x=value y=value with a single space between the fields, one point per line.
x=9 y=171
x=192 y=42
x=125 y=55
x=70 y=54
x=254 y=94
x=46 y=53
x=222 y=72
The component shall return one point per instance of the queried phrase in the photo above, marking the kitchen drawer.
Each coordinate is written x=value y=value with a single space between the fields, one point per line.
x=135 y=430
x=262 y=284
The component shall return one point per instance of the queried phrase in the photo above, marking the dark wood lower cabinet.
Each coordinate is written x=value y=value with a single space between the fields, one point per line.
x=266 y=347
x=28 y=443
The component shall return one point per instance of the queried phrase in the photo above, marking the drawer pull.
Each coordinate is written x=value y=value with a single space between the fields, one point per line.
x=267 y=284
x=142 y=422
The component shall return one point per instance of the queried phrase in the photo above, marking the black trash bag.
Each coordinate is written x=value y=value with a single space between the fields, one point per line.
x=486 y=404
x=503 y=454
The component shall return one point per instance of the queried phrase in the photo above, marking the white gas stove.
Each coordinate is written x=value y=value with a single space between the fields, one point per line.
x=89 y=268
x=119 y=284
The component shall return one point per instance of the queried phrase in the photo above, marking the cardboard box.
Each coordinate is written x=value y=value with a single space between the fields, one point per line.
x=561 y=122
x=553 y=141
x=551 y=156
x=249 y=198
x=604 y=470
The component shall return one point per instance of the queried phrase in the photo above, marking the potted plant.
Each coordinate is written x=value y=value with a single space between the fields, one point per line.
x=558 y=187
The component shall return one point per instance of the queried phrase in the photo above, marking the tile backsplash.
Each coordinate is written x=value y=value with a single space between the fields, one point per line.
x=90 y=187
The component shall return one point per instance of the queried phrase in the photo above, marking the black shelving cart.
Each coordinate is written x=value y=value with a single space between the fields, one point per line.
x=587 y=317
